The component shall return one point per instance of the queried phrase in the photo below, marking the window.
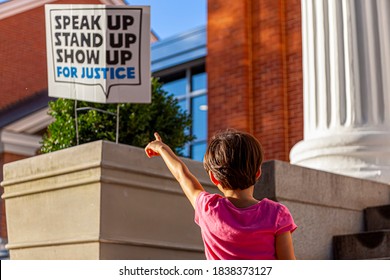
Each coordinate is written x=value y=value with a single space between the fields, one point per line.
x=189 y=86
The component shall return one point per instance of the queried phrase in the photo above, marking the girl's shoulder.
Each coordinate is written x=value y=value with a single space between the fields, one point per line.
x=271 y=205
x=269 y=202
x=207 y=198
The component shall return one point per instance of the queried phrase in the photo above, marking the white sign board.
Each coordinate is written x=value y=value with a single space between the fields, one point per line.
x=99 y=53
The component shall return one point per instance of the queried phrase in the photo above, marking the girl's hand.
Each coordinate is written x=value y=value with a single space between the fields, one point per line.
x=152 y=149
x=190 y=185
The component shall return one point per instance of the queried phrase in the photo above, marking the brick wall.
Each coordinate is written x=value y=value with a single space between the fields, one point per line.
x=254 y=67
x=23 y=54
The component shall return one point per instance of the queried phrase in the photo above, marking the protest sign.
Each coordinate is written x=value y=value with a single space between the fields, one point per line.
x=99 y=53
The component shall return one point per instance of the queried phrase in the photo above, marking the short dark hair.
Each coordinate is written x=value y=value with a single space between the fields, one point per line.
x=234 y=158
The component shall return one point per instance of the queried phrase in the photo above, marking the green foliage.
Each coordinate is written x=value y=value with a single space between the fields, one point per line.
x=137 y=122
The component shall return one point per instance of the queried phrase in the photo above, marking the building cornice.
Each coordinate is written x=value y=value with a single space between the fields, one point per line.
x=113 y=2
x=18 y=143
x=32 y=123
x=15 y=7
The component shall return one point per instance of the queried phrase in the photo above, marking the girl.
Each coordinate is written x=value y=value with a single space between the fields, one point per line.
x=236 y=225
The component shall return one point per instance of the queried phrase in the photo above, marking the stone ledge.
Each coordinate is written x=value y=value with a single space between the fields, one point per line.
x=368 y=245
x=377 y=218
x=286 y=181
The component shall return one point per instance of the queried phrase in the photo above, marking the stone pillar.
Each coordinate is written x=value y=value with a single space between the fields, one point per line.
x=346 y=62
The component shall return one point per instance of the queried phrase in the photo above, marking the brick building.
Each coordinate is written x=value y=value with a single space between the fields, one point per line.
x=253 y=82
x=254 y=67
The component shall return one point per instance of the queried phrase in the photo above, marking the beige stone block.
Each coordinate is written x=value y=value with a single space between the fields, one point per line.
x=73 y=251
x=54 y=217
x=112 y=251
x=293 y=182
x=99 y=201
x=313 y=239
x=323 y=204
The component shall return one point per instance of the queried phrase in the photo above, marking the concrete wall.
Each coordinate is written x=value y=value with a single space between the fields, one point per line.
x=323 y=204
x=99 y=201
x=107 y=201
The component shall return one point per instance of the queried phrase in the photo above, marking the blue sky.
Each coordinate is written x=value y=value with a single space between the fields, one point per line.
x=171 y=17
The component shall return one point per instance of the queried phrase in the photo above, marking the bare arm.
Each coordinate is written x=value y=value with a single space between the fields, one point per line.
x=190 y=185
x=284 y=247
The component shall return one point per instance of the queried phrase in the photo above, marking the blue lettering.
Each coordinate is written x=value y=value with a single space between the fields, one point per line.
x=104 y=70
x=130 y=73
x=67 y=72
x=59 y=68
x=73 y=71
x=89 y=74
x=98 y=73
x=118 y=74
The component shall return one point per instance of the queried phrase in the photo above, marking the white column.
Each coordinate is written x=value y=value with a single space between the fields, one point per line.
x=346 y=62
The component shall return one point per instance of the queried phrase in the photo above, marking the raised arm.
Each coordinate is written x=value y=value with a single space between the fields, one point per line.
x=179 y=170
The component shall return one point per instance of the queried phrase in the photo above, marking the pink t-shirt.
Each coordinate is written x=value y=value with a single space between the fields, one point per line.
x=230 y=233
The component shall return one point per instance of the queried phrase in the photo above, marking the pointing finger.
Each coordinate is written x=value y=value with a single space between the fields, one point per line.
x=158 y=138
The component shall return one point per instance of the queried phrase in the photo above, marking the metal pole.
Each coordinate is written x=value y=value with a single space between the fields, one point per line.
x=117 y=124
x=76 y=122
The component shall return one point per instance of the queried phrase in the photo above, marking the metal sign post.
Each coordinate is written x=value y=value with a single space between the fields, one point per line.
x=116 y=115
